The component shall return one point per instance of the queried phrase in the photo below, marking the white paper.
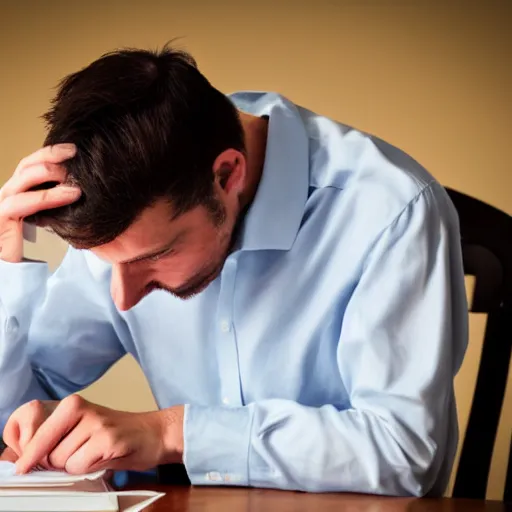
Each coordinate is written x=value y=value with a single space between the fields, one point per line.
x=8 y=477
x=61 y=501
x=7 y=469
x=40 y=501
x=33 y=492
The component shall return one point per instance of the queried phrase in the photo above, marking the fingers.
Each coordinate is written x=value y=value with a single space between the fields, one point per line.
x=38 y=168
x=88 y=458
x=65 y=417
x=11 y=241
x=23 y=205
x=102 y=451
x=35 y=186
x=72 y=443
x=22 y=425
x=32 y=177
x=50 y=154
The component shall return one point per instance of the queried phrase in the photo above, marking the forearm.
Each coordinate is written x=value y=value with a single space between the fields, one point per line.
x=41 y=357
x=21 y=287
x=281 y=444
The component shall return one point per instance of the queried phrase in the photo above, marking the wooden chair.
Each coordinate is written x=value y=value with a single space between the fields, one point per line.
x=487 y=254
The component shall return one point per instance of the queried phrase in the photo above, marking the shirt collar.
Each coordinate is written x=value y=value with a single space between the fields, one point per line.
x=274 y=217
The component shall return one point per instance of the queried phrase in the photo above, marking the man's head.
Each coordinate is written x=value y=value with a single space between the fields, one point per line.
x=161 y=164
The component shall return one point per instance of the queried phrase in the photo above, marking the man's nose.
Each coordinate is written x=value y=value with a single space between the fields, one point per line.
x=126 y=287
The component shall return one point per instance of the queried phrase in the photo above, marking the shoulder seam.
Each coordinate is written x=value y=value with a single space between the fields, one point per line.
x=396 y=217
x=409 y=203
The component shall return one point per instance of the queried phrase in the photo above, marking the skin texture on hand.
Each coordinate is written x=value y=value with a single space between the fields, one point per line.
x=8 y=455
x=81 y=437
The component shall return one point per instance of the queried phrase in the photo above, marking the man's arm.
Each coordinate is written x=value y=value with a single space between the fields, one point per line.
x=402 y=341
x=57 y=332
x=403 y=338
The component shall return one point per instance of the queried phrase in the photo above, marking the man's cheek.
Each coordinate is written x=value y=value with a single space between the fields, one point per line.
x=174 y=271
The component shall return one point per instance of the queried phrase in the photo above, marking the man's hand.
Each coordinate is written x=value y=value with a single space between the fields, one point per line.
x=80 y=437
x=8 y=455
x=18 y=201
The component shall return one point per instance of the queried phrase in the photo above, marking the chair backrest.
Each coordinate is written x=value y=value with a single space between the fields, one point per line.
x=487 y=253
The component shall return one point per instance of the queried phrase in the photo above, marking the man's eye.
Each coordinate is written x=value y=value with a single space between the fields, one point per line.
x=161 y=255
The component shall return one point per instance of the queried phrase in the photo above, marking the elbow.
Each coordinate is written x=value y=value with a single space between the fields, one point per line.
x=411 y=482
x=416 y=476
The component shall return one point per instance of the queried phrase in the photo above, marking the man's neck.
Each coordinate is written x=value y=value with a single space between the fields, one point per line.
x=255 y=130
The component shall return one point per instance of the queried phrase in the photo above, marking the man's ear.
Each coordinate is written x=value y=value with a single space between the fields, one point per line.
x=230 y=169
x=223 y=176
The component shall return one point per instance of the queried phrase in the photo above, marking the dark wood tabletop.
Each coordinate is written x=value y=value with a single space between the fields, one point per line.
x=217 y=499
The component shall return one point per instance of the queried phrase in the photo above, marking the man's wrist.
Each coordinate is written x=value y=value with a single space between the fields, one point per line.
x=171 y=424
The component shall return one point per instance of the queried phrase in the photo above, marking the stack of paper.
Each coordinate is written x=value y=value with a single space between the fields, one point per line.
x=52 y=491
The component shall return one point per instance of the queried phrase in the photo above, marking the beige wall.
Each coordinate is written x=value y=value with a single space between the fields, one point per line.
x=432 y=79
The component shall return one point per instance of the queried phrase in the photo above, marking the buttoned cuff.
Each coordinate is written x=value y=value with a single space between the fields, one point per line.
x=19 y=282
x=216 y=444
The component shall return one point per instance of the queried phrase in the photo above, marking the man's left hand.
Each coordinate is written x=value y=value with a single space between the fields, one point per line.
x=80 y=437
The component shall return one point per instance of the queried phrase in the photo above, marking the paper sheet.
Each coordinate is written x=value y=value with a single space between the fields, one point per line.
x=8 y=477
x=50 y=489
x=127 y=501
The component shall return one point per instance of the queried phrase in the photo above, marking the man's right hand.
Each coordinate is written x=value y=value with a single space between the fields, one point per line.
x=18 y=201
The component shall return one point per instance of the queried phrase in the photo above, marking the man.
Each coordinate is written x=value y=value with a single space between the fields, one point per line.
x=291 y=287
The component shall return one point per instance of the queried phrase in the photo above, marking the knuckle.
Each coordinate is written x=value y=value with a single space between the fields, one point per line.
x=26 y=414
x=73 y=403
x=22 y=164
x=34 y=407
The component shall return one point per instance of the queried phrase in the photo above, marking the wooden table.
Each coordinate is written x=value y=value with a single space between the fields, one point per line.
x=212 y=499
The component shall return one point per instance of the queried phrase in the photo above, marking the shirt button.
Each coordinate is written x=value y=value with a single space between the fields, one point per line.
x=225 y=400
x=224 y=326
x=12 y=325
x=214 y=476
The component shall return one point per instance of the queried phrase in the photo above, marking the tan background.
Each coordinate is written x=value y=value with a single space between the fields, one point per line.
x=433 y=79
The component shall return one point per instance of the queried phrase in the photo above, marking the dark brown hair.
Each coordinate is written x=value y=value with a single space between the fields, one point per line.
x=147 y=125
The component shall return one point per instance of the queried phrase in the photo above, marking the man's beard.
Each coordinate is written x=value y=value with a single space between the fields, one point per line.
x=193 y=286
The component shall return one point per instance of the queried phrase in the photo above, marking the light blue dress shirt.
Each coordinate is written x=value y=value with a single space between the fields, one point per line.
x=321 y=359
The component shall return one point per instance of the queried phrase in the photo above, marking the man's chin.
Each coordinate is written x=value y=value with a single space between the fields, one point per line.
x=192 y=291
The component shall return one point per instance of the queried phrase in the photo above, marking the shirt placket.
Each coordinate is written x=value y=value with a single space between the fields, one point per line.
x=227 y=349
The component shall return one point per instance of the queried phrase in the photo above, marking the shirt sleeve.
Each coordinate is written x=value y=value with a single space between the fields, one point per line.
x=402 y=341
x=57 y=332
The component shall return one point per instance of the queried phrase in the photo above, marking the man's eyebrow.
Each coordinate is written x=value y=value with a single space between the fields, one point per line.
x=156 y=252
